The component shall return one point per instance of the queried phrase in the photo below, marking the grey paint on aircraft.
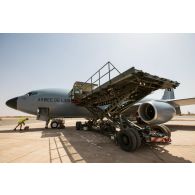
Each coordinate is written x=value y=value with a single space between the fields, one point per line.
x=58 y=101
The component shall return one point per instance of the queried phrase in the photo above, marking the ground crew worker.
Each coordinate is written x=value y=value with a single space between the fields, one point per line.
x=20 y=123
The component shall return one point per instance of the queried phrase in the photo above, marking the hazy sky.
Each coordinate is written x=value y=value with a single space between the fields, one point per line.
x=37 y=61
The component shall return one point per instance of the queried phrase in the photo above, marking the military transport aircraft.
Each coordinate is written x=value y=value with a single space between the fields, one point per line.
x=114 y=100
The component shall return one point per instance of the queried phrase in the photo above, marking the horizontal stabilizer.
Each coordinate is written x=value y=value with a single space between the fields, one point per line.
x=182 y=102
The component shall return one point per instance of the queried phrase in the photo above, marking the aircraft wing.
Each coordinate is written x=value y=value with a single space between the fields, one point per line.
x=182 y=102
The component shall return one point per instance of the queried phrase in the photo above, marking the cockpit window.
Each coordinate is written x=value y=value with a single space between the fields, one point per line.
x=31 y=93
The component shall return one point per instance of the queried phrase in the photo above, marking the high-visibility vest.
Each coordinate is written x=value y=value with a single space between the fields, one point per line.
x=21 y=121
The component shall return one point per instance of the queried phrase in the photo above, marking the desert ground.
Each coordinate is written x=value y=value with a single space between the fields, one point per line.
x=39 y=145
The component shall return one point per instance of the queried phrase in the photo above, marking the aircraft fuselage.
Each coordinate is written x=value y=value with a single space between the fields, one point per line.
x=57 y=101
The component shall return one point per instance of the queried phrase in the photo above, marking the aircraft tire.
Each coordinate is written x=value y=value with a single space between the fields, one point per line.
x=168 y=131
x=54 y=124
x=163 y=129
x=138 y=138
x=78 y=125
x=127 y=140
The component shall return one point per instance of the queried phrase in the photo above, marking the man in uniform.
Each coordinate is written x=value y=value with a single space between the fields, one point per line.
x=20 y=123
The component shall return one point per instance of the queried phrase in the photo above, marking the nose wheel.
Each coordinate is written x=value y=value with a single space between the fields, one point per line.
x=57 y=124
x=54 y=125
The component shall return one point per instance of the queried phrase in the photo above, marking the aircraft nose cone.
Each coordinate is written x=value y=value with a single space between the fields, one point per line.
x=12 y=103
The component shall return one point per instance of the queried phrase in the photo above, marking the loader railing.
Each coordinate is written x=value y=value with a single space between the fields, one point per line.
x=96 y=78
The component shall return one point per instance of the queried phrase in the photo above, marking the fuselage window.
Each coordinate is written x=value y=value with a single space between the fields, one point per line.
x=31 y=93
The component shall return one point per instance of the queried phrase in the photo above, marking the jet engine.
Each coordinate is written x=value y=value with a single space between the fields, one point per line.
x=156 y=112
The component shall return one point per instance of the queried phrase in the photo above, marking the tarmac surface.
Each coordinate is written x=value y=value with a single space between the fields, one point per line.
x=38 y=145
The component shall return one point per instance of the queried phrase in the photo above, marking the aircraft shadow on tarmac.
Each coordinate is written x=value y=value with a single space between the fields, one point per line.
x=93 y=147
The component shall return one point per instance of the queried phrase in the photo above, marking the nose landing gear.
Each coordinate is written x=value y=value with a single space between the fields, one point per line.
x=57 y=124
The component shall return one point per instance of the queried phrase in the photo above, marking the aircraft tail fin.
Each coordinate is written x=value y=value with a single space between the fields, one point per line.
x=168 y=94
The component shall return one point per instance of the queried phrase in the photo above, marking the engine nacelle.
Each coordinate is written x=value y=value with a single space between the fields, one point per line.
x=156 y=112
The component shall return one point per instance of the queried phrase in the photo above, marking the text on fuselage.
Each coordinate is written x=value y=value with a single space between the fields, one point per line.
x=62 y=100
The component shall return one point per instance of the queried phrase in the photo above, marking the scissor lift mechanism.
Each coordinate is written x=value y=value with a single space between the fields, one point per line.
x=116 y=95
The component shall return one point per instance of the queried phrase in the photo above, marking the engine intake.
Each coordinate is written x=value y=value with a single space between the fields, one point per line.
x=156 y=112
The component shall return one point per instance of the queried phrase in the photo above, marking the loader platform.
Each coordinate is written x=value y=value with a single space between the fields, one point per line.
x=117 y=93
